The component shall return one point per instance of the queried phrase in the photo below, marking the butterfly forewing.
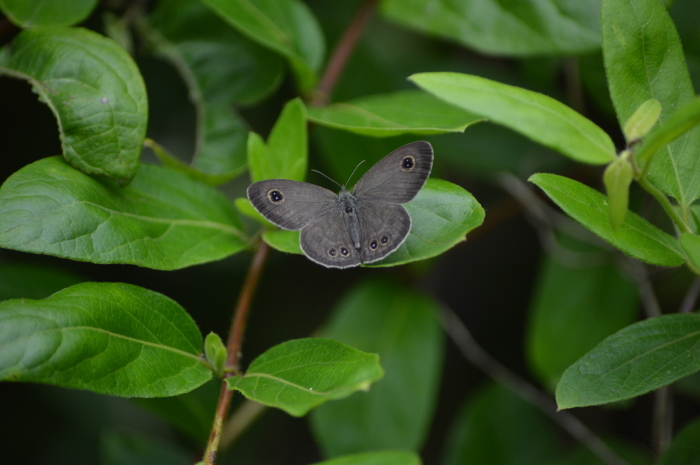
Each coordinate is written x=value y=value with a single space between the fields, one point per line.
x=328 y=242
x=290 y=204
x=384 y=227
x=399 y=176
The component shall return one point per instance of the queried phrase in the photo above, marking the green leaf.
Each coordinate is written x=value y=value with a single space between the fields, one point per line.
x=402 y=326
x=524 y=27
x=162 y=220
x=401 y=112
x=499 y=427
x=108 y=338
x=617 y=179
x=33 y=281
x=442 y=214
x=635 y=236
x=301 y=374
x=286 y=26
x=683 y=450
x=215 y=352
x=191 y=413
x=638 y=359
x=642 y=120
x=644 y=60
x=129 y=449
x=577 y=304
x=691 y=246
x=94 y=90
x=385 y=457
x=284 y=241
x=285 y=156
x=221 y=68
x=537 y=116
x=39 y=13
x=675 y=126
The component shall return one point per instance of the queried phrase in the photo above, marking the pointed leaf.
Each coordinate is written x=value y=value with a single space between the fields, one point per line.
x=402 y=326
x=108 y=338
x=39 y=13
x=402 y=112
x=638 y=359
x=642 y=120
x=442 y=214
x=215 y=353
x=635 y=236
x=680 y=122
x=299 y=375
x=162 y=220
x=385 y=457
x=285 y=26
x=286 y=153
x=95 y=91
x=534 y=115
x=525 y=27
x=643 y=60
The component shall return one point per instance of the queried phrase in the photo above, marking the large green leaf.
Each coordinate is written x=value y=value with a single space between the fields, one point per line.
x=108 y=338
x=401 y=112
x=286 y=154
x=577 y=304
x=638 y=359
x=40 y=13
x=498 y=427
x=301 y=374
x=162 y=220
x=683 y=450
x=442 y=214
x=534 y=115
x=221 y=67
x=677 y=124
x=525 y=27
x=388 y=457
x=644 y=59
x=285 y=26
x=95 y=91
x=636 y=236
x=402 y=326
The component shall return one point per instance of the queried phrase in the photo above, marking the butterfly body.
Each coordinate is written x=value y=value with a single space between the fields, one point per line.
x=347 y=229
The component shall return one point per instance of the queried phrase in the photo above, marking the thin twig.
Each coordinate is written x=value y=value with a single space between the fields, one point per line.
x=499 y=373
x=233 y=346
x=240 y=420
x=341 y=54
x=690 y=297
x=644 y=288
x=662 y=428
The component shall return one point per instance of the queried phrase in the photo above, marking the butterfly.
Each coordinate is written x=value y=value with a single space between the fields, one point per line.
x=346 y=229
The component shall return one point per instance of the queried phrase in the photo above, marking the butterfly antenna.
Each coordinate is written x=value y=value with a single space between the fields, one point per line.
x=353 y=172
x=331 y=180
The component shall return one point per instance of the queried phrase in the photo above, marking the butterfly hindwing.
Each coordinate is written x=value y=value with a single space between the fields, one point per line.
x=383 y=228
x=290 y=204
x=327 y=241
x=399 y=176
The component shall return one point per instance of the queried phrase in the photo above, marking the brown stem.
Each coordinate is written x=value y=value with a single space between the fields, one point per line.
x=233 y=346
x=342 y=53
x=473 y=352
